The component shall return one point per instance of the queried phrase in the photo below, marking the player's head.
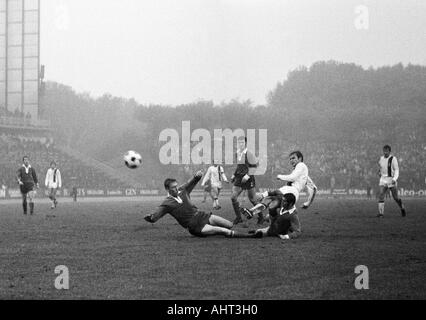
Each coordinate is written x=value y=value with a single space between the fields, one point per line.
x=26 y=160
x=242 y=142
x=53 y=164
x=171 y=186
x=288 y=201
x=387 y=150
x=295 y=157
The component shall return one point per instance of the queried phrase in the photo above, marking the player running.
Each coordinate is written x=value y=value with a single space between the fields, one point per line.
x=243 y=179
x=200 y=224
x=214 y=177
x=53 y=181
x=389 y=174
x=27 y=180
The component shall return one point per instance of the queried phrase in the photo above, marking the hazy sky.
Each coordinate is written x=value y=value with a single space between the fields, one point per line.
x=178 y=51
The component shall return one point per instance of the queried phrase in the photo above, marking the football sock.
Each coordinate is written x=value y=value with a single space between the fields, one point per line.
x=31 y=207
x=24 y=206
x=216 y=203
x=236 y=206
x=381 y=208
x=399 y=202
x=257 y=209
x=236 y=234
x=264 y=231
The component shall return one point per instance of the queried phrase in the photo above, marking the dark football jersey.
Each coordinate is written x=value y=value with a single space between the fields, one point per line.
x=183 y=211
x=28 y=179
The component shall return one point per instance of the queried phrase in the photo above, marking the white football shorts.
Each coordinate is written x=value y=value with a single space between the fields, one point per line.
x=387 y=182
x=290 y=189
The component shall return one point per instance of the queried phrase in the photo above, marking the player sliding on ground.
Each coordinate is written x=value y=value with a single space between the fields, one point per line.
x=200 y=224
x=283 y=215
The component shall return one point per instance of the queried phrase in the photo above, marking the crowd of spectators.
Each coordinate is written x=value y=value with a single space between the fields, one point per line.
x=352 y=165
x=332 y=165
x=16 y=114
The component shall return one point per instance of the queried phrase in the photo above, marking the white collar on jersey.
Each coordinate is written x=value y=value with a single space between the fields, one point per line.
x=178 y=199
x=291 y=211
x=27 y=169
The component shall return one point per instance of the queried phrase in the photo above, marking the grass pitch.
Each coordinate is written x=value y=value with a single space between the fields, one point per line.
x=111 y=253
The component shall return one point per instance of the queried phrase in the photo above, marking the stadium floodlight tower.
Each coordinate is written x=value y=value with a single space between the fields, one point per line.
x=20 y=57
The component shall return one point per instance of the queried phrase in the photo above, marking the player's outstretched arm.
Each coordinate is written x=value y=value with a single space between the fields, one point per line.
x=192 y=183
x=157 y=215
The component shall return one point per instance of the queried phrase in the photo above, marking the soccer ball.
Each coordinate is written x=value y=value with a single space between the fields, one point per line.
x=132 y=159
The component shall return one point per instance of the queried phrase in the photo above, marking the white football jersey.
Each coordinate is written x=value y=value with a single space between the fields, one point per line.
x=215 y=176
x=53 y=178
x=389 y=169
x=298 y=177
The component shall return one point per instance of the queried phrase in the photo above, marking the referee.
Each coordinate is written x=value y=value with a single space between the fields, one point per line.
x=27 y=179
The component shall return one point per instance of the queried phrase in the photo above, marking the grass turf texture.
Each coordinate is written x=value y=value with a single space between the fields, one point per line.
x=112 y=253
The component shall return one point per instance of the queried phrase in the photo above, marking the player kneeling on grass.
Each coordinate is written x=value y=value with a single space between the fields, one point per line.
x=200 y=224
x=282 y=212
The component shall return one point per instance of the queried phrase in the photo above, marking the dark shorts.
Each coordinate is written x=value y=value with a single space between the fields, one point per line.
x=27 y=187
x=249 y=184
x=207 y=188
x=198 y=222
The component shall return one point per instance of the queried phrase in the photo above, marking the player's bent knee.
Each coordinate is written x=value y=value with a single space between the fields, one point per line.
x=220 y=222
x=210 y=230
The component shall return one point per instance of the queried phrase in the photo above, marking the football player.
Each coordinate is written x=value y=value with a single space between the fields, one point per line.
x=389 y=174
x=214 y=177
x=27 y=180
x=53 y=181
x=285 y=222
x=198 y=223
x=243 y=179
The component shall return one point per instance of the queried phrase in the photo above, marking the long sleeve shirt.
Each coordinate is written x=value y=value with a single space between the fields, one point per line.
x=181 y=207
x=27 y=176
x=298 y=177
x=53 y=179
x=389 y=167
x=215 y=175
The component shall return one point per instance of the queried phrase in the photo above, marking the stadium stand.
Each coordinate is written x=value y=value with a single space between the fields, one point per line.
x=42 y=151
